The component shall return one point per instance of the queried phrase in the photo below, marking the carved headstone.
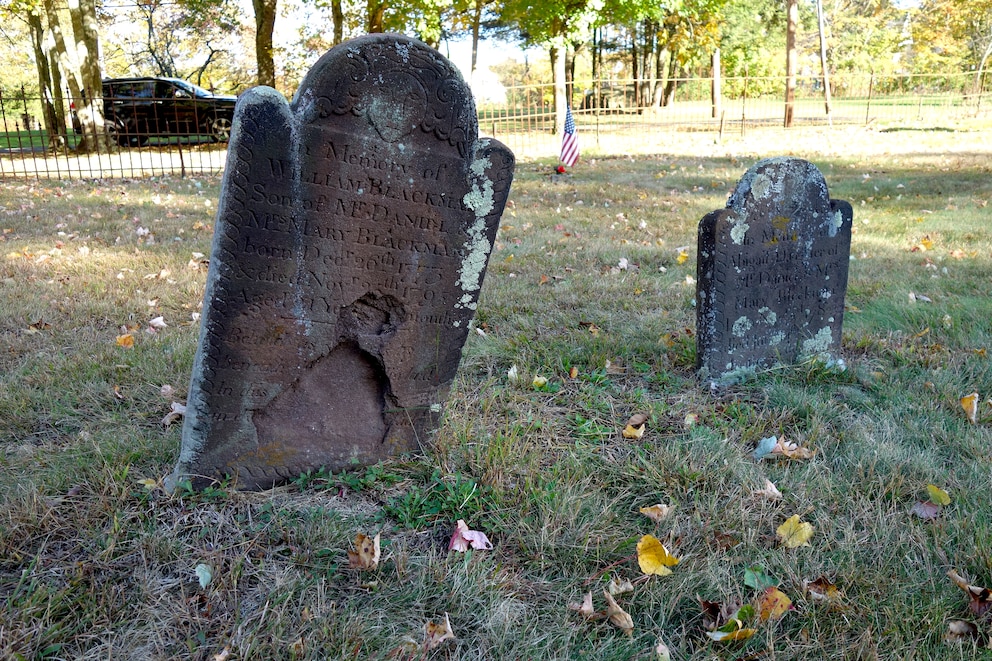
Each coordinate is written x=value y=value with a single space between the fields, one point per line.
x=352 y=237
x=772 y=271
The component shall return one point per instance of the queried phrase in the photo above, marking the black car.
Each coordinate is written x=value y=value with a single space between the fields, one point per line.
x=136 y=109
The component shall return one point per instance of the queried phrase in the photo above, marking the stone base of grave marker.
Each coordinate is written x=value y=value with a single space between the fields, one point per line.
x=772 y=271
x=352 y=237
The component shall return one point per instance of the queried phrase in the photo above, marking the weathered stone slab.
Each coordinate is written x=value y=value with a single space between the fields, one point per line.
x=772 y=271
x=352 y=237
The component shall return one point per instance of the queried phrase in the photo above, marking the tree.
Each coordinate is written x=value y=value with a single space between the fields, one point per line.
x=952 y=34
x=265 y=22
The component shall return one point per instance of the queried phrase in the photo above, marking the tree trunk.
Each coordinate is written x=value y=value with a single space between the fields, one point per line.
x=476 y=23
x=716 y=89
x=634 y=60
x=824 y=66
x=672 y=83
x=337 y=15
x=792 y=11
x=558 y=75
x=376 y=16
x=90 y=112
x=56 y=138
x=66 y=58
x=265 y=22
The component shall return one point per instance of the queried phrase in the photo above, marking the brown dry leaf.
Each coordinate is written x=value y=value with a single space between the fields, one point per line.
x=926 y=510
x=435 y=634
x=657 y=513
x=573 y=373
x=959 y=631
x=178 y=411
x=615 y=367
x=980 y=598
x=970 y=405
x=586 y=609
x=367 y=553
x=822 y=590
x=622 y=586
x=618 y=616
x=636 y=426
x=792 y=450
x=773 y=604
x=770 y=491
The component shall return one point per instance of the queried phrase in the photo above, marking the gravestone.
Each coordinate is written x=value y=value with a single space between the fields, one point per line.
x=351 y=240
x=772 y=272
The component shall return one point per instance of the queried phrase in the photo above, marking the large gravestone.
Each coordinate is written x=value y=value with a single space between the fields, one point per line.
x=772 y=271
x=352 y=237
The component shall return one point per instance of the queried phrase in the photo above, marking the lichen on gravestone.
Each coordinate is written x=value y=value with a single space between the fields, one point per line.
x=772 y=272
x=351 y=242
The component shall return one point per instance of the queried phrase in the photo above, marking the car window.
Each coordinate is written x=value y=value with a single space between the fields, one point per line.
x=144 y=90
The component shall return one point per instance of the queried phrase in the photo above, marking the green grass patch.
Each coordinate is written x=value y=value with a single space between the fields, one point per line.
x=585 y=290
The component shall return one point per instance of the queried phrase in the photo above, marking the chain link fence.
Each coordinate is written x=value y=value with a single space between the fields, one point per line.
x=612 y=116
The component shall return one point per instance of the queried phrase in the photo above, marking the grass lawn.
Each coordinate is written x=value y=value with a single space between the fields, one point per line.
x=585 y=289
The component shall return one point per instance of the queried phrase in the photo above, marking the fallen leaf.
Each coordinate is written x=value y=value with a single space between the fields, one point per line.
x=178 y=411
x=925 y=510
x=733 y=630
x=937 y=495
x=657 y=513
x=367 y=553
x=959 y=631
x=690 y=420
x=158 y=323
x=662 y=652
x=683 y=257
x=586 y=609
x=794 y=533
x=149 y=483
x=618 y=617
x=539 y=382
x=770 y=491
x=970 y=405
x=512 y=375
x=166 y=391
x=126 y=340
x=204 y=575
x=773 y=604
x=765 y=447
x=463 y=538
x=980 y=598
x=619 y=587
x=573 y=373
x=824 y=591
x=435 y=634
x=792 y=450
x=222 y=655
x=653 y=557
x=636 y=426
x=755 y=577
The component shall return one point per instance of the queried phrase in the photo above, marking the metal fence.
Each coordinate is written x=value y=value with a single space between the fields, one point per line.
x=611 y=115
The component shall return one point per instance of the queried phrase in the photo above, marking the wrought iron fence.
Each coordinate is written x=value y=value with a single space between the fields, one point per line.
x=613 y=117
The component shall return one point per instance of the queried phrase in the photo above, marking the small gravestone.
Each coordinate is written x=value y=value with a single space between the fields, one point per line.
x=352 y=237
x=772 y=271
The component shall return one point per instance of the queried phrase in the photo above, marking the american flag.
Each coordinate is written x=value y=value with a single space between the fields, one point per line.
x=569 y=143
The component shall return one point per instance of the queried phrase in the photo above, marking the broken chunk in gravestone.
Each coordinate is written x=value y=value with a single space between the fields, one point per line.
x=352 y=237
x=772 y=272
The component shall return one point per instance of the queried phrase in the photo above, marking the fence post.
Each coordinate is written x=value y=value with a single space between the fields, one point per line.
x=871 y=89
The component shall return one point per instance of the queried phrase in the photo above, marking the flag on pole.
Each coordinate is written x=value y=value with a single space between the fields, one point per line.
x=569 y=143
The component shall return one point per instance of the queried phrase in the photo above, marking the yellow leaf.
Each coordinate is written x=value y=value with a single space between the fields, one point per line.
x=791 y=450
x=794 y=533
x=149 y=483
x=367 y=553
x=126 y=340
x=657 y=513
x=653 y=557
x=938 y=496
x=573 y=373
x=773 y=604
x=630 y=431
x=618 y=616
x=539 y=382
x=683 y=257
x=970 y=405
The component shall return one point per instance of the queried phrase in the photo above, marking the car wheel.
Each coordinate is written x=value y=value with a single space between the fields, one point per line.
x=220 y=129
